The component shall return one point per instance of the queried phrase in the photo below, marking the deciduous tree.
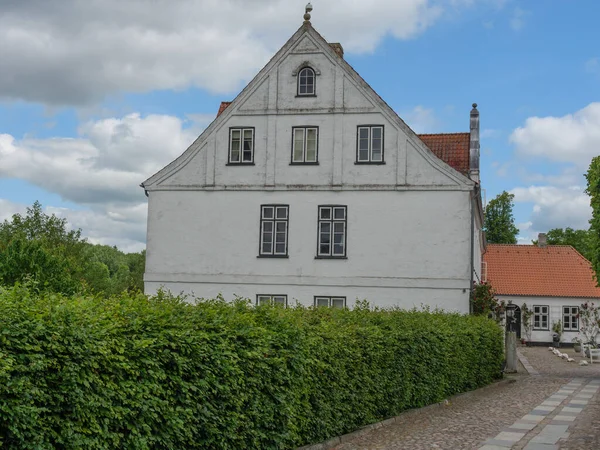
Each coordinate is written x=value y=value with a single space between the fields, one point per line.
x=499 y=224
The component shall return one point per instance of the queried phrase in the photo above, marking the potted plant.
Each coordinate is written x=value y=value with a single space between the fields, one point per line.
x=557 y=328
x=577 y=344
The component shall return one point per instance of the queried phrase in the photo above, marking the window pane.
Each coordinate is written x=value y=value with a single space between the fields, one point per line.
x=281 y=226
x=268 y=226
x=536 y=322
x=325 y=228
x=298 y=145
x=267 y=212
x=338 y=249
x=536 y=309
x=377 y=132
x=544 y=322
x=325 y=213
x=280 y=248
x=264 y=300
x=303 y=89
x=363 y=133
x=363 y=155
x=338 y=238
x=337 y=302
x=279 y=300
x=322 y=301
x=235 y=145
x=545 y=309
x=311 y=145
x=376 y=150
x=282 y=212
x=339 y=213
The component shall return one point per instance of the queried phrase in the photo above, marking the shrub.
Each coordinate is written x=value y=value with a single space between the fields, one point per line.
x=138 y=373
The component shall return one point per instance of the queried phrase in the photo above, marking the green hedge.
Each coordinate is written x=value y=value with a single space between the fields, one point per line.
x=137 y=373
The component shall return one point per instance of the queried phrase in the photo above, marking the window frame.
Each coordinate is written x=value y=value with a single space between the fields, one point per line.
x=274 y=220
x=570 y=314
x=304 y=142
x=241 y=162
x=370 y=160
x=330 y=299
x=332 y=221
x=314 y=85
x=541 y=314
x=272 y=299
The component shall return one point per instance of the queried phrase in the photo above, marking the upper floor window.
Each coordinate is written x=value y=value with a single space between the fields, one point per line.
x=271 y=300
x=332 y=232
x=369 y=145
x=241 y=145
x=274 y=230
x=304 y=145
x=571 y=318
x=306 y=82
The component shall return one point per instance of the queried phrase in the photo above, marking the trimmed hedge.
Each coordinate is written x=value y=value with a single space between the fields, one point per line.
x=138 y=373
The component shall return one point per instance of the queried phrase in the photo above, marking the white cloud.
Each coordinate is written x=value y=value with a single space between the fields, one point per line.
x=100 y=170
x=517 y=21
x=573 y=138
x=421 y=119
x=76 y=52
x=555 y=207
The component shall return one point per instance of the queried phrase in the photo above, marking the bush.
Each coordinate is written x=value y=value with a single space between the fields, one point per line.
x=137 y=373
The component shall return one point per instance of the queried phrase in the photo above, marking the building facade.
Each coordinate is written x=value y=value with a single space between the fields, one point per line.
x=309 y=188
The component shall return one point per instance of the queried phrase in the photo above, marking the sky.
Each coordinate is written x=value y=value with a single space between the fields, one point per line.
x=96 y=96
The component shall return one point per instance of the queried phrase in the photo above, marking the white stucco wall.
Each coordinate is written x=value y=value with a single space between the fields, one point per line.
x=404 y=248
x=555 y=308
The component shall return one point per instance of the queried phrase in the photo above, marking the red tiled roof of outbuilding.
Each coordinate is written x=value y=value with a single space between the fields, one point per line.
x=529 y=270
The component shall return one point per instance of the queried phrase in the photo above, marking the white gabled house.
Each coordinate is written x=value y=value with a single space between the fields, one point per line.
x=309 y=187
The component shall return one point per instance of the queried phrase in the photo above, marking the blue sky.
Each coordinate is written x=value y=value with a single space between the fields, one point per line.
x=96 y=96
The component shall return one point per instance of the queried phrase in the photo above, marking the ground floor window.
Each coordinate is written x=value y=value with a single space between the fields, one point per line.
x=540 y=317
x=571 y=318
x=271 y=300
x=330 y=302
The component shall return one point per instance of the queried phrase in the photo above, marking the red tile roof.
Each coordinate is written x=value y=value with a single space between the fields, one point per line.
x=452 y=148
x=552 y=271
x=223 y=107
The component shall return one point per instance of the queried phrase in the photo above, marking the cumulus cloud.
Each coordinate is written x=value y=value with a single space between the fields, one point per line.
x=76 y=52
x=100 y=170
x=555 y=207
x=573 y=138
x=421 y=119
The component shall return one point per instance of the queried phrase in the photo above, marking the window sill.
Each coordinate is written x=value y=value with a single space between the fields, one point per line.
x=331 y=257
x=540 y=329
x=306 y=95
x=241 y=164
x=273 y=256
x=304 y=163
x=373 y=163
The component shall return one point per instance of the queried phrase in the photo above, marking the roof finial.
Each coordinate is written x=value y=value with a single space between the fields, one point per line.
x=307 y=13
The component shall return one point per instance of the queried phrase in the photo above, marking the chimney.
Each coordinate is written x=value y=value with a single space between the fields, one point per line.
x=337 y=47
x=474 y=145
x=542 y=240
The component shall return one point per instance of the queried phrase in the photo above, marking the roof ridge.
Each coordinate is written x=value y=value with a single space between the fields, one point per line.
x=443 y=134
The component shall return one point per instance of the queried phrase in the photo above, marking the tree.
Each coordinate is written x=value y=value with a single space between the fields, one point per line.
x=499 y=223
x=593 y=190
x=581 y=240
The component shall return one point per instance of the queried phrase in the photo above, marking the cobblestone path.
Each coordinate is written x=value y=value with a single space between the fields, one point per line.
x=557 y=408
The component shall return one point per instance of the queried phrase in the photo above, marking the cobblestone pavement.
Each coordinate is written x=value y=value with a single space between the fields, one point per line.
x=470 y=420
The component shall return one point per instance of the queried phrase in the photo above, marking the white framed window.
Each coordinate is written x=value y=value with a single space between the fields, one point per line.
x=540 y=317
x=241 y=145
x=330 y=302
x=571 y=318
x=369 y=144
x=305 y=142
x=280 y=300
x=306 y=82
x=332 y=231
x=274 y=230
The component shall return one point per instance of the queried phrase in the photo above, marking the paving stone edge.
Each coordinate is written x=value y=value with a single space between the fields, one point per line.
x=331 y=443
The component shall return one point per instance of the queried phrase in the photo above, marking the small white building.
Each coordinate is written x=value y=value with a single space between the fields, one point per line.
x=552 y=280
x=308 y=187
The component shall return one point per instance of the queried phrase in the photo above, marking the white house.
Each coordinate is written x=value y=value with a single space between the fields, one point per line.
x=308 y=187
x=552 y=280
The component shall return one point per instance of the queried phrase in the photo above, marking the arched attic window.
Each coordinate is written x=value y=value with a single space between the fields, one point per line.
x=307 y=81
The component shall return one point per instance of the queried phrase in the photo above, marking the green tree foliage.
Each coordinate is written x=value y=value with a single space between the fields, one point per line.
x=581 y=240
x=499 y=222
x=133 y=372
x=40 y=248
x=593 y=190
